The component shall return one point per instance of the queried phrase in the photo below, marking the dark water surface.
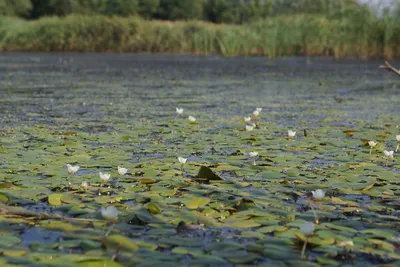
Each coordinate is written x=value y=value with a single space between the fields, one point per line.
x=45 y=88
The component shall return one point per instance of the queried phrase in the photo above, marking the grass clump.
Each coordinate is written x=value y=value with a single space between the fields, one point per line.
x=289 y=35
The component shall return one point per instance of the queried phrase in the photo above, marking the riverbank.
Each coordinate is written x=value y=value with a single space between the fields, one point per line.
x=300 y=35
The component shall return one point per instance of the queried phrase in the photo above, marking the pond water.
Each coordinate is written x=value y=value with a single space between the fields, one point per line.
x=103 y=111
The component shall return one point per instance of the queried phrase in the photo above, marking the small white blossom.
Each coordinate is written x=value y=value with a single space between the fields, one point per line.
x=72 y=169
x=388 y=154
x=247 y=119
x=179 y=110
x=191 y=119
x=249 y=128
x=259 y=109
x=104 y=176
x=182 y=160
x=291 y=133
x=253 y=154
x=84 y=185
x=256 y=113
x=346 y=243
x=307 y=228
x=398 y=138
x=109 y=213
x=318 y=194
x=372 y=143
x=121 y=171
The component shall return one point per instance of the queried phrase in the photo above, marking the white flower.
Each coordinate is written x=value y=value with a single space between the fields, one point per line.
x=398 y=138
x=256 y=112
x=346 y=243
x=182 y=160
x=372 y=143
x=104 y=176
x=109 y=213
x=388 y=154
x=121 y=171
x=72 y=169
x=307 y=228
x=253 y=154
x=291 y=133
x=191 y=119
x=249 y=128
x=259 y=109
x=179 y=110
x=84 y=185
x=318 y=194
x=247 y=119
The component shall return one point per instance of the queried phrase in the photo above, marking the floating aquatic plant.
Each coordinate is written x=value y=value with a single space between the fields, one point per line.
x=318 y=194
x=389 y=155
x=249 y=128
x=192 y=119
x=182 y=161
x=179 y=110
x=104 y=177
x=291 y=134
x=122 y=171
x=253 y=155
x=72 y=169
x=84 y=185
x=372 y=144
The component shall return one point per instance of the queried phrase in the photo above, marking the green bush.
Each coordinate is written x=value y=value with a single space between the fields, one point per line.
x=361 y=36
x=20 y=8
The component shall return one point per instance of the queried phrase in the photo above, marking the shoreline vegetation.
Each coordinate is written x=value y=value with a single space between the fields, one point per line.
x=288 y=35
x=270 y=28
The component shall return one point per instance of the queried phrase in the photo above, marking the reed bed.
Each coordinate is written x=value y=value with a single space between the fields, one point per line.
x=309 y=35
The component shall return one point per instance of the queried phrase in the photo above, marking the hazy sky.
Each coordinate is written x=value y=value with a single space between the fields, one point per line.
x=380 y=3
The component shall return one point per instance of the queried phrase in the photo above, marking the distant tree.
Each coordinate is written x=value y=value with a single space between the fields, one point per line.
x=148 y=8
x=20 y=8
x=52 y=7
x=90 y=6
x=180 y=9
x=219 y=11
x=121 y=7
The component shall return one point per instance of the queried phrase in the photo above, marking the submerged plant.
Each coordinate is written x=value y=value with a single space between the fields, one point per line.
x=109 y=213
x=307 y=228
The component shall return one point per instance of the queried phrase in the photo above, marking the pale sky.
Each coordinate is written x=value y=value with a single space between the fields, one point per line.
x=380 y=3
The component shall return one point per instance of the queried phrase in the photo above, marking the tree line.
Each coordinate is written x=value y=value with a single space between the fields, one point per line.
x=218 y=11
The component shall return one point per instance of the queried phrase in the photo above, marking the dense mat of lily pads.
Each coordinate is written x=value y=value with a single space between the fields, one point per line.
x=204 y=191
